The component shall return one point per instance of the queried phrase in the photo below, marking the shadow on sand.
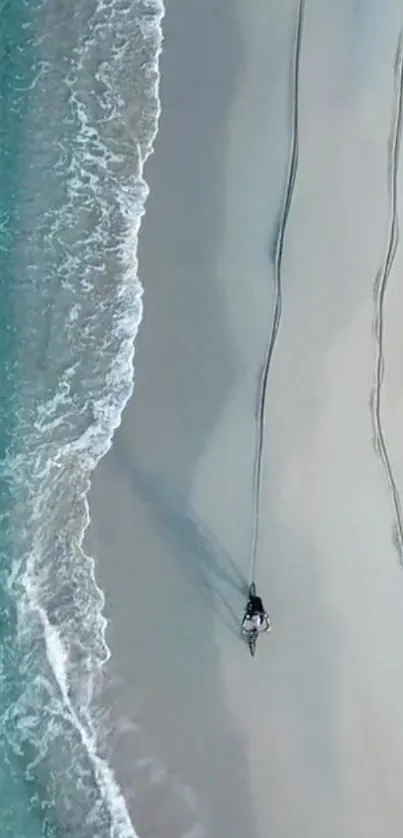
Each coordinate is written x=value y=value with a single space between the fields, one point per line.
x=201 y=559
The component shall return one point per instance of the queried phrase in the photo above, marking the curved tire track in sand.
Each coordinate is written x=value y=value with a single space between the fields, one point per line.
x=380 y=288
x=278 y=259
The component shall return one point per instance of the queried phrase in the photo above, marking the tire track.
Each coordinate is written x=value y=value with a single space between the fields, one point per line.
x=380 y=288
x=278 y=259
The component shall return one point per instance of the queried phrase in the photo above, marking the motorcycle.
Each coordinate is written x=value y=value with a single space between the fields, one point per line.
x=260 y=624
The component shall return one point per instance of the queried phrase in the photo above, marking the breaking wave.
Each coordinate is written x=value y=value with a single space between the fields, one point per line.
x=90 y=119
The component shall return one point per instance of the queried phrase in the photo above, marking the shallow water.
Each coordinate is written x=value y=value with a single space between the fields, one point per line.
x=80 y=108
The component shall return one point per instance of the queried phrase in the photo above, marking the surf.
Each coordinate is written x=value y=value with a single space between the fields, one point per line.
x=72 y=258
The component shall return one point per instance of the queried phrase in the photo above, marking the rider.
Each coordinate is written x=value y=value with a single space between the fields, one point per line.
x=255 y=615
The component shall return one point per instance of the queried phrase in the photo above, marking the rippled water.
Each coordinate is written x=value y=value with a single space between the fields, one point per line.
x=79 y=100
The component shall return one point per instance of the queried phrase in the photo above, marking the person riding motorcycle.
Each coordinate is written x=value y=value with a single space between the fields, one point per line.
x=255 y=617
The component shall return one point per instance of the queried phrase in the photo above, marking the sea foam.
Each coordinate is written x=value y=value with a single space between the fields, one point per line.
x=94 y=118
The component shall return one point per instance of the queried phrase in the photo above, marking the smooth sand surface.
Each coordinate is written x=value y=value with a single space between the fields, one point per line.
x=307 y=738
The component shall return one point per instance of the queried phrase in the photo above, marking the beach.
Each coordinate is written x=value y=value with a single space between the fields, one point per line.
x=305 y=738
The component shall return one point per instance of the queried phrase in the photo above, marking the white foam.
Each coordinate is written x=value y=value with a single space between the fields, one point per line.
x=38 y=455
x=57 y=656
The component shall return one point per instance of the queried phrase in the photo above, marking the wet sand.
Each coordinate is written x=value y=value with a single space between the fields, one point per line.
x=307 y=737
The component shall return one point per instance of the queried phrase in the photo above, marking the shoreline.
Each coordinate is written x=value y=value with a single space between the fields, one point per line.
x=149 y=470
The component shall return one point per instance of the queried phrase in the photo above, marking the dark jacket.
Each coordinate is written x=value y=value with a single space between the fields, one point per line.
x=255 y=605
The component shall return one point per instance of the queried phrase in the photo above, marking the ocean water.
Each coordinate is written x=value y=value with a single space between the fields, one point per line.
x=79 y=114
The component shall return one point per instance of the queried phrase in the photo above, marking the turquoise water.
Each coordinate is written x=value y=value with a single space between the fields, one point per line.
x=79 y=113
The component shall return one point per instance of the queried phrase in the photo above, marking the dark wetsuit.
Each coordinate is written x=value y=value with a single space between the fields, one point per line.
x=255 y=606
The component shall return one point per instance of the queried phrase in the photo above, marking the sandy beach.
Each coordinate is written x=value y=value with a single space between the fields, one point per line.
x=307 y=738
